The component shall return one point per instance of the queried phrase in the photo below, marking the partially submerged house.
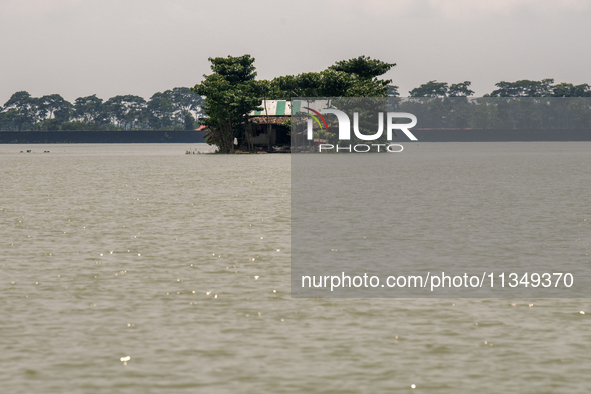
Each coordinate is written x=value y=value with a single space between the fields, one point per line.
x=271 y=128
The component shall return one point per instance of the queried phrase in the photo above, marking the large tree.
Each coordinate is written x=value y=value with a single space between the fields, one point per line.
x=89 y=109
x=231 y=93
x=461 y=89
x=430 y=89
x=160 y=111
x=443 y=89
x=569 y=90
x=357 y=77
x=54 y=106
x=21 y=110
x=174 y=109
x=524 y=88
x=127 y=112
x=364 y=67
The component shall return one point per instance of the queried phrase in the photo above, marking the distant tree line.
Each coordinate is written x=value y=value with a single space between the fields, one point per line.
x=176 y=109
x=231 y=92
x=549 y=105
x=521 y=88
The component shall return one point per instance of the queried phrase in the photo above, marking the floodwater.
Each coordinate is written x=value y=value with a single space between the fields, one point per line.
x=140 y=269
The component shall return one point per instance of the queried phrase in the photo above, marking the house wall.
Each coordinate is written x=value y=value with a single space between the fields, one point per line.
x=263 y=138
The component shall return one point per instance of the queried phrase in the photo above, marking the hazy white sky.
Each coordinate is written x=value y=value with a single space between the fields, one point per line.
x=109 y=47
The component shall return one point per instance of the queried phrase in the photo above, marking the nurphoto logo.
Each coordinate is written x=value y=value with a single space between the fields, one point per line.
x=344 y=133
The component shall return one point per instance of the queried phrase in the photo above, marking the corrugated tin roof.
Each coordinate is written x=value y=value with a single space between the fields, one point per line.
x=284 y=108
x=299 y=105
x=274 y=108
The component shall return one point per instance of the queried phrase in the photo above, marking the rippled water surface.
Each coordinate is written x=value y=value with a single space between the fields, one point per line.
x=182 y=263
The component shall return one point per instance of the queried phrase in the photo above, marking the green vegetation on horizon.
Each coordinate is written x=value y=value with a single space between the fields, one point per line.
x=227 y=95
x=174 y=109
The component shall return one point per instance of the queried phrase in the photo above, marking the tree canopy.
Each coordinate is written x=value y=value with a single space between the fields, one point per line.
x=174 y=109
x=363 y=67
x=442 y=89
x=524 y=88
x=346 y=78
x=230 y=94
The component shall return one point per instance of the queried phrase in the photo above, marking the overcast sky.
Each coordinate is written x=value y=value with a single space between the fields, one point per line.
x=109 y=47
